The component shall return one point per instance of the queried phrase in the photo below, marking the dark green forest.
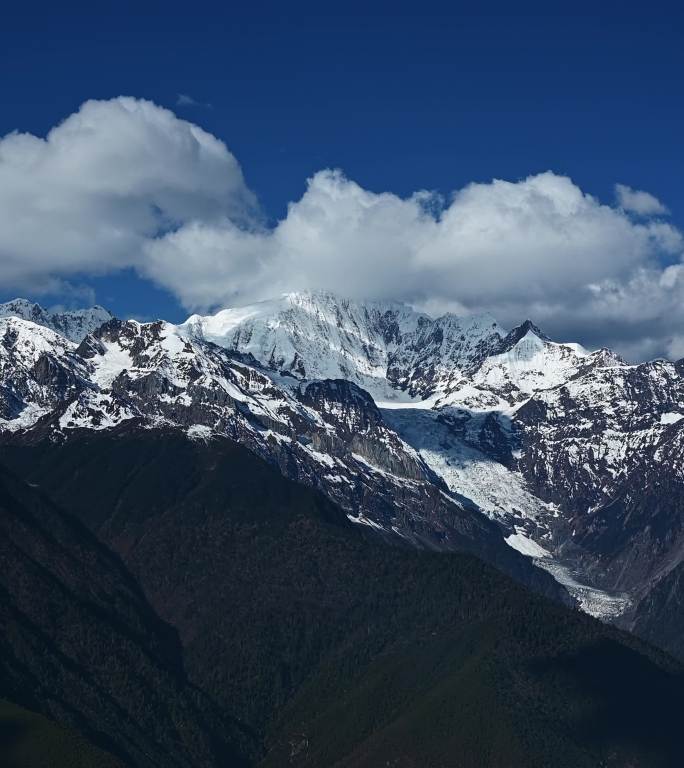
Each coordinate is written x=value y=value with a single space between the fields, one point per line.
x=247 y=622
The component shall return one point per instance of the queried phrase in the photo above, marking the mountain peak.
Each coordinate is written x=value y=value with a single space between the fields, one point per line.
x=385 y=347
x=520 y=331
x=74 y=324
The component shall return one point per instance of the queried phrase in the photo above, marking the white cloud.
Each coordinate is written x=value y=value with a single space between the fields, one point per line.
x=185 y=100
x=125 y=183
x=536 y=238
x=111 y=176
x=675 y=347
x=639 y=202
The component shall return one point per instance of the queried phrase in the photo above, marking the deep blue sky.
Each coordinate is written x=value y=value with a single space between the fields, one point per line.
x=429 y=95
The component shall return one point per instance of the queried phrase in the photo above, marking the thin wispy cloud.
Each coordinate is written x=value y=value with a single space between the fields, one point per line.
x=639 y=202
x=185 y=100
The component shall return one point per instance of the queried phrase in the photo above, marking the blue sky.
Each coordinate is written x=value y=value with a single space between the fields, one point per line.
x=401 y=98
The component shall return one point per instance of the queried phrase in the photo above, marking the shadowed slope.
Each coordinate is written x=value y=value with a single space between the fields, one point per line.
x=342 y=651
x=29 y=740
x=80 y=643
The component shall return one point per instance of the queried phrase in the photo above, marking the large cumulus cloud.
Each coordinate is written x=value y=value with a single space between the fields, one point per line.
x=113 y=175
x=126 y=183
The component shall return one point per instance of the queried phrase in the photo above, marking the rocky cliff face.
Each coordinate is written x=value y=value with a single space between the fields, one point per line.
x=39 y=370
x=606 y=448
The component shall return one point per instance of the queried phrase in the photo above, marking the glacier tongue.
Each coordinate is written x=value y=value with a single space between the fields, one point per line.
x=469 y=471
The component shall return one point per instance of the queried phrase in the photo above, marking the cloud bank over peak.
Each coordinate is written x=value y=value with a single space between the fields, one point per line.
x=538 y=247
x=125 y=183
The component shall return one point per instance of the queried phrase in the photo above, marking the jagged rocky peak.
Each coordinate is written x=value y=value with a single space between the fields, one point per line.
x=529 y=339
x=519 y=333
x=130 y=350
x=526 y=361
x=74 y=324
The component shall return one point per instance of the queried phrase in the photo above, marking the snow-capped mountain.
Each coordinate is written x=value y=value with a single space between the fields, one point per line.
x=74 y=324
x=326 y=433
x=600 y=445
x=39 y=371
x=395 y=353
x=541 y=436
x=450 y=432
x=387 y=348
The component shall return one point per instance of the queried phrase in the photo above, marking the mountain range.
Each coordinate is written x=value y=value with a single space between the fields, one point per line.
x=575 y=454
x=391 y=438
